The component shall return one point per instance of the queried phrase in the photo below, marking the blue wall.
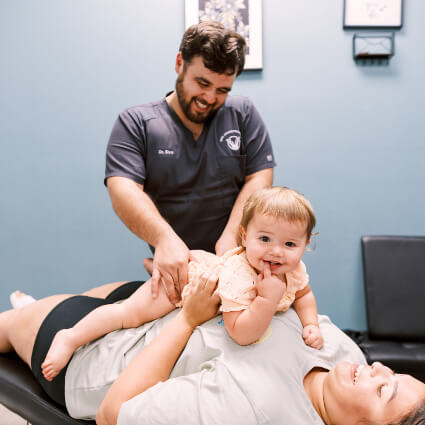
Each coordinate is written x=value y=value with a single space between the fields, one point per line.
x=350 y=138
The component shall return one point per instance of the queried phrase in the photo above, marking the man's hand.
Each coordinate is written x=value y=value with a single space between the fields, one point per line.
x=170 y=264
x=312 y=336
x=226 y=241
x=270 y=286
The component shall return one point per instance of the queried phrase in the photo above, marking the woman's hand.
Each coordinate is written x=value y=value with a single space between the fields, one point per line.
x=155 y=362
x=270 y=286
x=202 y=302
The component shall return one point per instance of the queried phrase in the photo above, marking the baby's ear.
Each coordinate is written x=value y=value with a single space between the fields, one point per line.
x=242 y=236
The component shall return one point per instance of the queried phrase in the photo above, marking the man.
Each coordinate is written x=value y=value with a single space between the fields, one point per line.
x=179 y=170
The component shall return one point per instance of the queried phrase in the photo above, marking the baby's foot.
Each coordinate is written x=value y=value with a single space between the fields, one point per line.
x=60 y=351
x=148 y=264
x=18 y=299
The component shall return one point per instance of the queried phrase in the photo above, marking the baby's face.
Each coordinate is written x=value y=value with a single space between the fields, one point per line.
x=276 y=241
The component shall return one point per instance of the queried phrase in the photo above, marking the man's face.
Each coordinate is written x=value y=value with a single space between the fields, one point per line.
x=200 y=91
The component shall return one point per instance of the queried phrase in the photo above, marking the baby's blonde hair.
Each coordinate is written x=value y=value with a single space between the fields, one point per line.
x=278 y=202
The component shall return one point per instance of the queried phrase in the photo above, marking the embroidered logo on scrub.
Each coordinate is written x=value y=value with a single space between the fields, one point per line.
x=232 y=138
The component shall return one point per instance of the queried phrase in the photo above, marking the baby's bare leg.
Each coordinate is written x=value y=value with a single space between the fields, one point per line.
x=139 y=308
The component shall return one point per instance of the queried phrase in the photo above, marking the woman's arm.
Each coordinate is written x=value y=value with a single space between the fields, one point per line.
x=156 y=361
x=247 y=326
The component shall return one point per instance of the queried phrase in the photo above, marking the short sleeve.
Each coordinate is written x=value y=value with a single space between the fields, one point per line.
x=208 y=397
x=236 y=284
x=125 y=155
x=295 y=281
x=259 y=149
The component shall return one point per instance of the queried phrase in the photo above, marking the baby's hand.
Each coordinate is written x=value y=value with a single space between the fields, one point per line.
x=270 y=286
x=312 y=336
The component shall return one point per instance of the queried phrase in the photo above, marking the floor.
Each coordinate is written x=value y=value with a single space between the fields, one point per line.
x=9 y=418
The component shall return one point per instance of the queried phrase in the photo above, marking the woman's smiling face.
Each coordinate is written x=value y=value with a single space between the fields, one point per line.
x=353 y=393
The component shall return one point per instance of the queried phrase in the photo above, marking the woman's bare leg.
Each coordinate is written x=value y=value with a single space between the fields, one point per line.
x=104 y=290
x=99 y=292
x=19 y=328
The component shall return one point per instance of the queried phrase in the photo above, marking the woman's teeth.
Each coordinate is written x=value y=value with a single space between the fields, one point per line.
x=357 y=373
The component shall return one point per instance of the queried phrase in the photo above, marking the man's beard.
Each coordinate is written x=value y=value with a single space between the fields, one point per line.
x=196 y=117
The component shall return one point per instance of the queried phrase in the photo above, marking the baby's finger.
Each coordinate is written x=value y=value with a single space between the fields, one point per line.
x=266 y=269
x=315 y=343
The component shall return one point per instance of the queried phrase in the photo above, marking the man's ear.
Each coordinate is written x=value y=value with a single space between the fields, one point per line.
x=179 y=63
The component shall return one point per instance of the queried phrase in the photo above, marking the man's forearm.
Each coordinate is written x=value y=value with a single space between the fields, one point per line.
x=137 y=211
x=253 y=182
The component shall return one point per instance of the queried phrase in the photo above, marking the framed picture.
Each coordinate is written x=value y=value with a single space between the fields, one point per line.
x=243 y=16
x=373 y=13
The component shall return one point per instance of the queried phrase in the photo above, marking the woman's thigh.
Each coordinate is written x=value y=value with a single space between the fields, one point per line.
x=25 y=323
x=104 y=290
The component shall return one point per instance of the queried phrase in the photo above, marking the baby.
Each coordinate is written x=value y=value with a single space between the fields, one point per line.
x=262 y=276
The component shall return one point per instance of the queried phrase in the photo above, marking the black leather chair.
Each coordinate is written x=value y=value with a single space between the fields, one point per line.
x=394 y=279
x=21 y=393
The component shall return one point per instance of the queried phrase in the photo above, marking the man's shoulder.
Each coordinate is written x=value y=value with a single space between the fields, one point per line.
x=145 y=111
x=241 y=104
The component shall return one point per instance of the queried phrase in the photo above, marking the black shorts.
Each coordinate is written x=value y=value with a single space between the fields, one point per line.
x=65 y=315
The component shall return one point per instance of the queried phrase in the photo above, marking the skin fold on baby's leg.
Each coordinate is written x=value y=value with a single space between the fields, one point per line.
x=139 y=308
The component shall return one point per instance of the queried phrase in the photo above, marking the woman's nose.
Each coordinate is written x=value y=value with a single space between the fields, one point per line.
x=378 y=368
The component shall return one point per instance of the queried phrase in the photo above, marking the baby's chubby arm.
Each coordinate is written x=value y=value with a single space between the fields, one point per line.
x=247 y=326
x=306 y=308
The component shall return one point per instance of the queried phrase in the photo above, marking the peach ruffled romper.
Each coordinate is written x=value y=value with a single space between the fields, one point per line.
x=236 y=282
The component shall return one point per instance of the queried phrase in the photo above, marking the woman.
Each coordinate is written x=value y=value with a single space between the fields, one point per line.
x=214 y=380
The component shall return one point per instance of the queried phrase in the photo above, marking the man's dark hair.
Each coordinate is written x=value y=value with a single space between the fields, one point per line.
x=222 y=50
x=415 y=417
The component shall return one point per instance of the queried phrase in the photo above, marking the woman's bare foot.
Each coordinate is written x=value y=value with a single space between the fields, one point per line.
x=148 y=265
x=18 y=299
x=60 y=351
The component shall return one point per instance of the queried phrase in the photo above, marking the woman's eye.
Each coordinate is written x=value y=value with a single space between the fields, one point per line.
x=290 y=244
x=264 y=239
x=380 y=390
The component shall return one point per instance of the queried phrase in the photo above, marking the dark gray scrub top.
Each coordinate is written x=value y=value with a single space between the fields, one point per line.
x=194 y=184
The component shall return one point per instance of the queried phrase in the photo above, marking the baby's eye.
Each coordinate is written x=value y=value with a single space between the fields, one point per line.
x=290 y=244
x=264 y=239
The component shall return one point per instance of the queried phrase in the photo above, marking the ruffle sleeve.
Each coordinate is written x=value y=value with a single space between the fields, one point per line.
x=295 y=281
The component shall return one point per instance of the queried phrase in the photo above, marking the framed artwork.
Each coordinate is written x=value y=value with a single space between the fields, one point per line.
x=373 y=13
x=243 y=16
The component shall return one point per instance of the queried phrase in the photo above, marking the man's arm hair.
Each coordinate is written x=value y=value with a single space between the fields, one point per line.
x=137 y=210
